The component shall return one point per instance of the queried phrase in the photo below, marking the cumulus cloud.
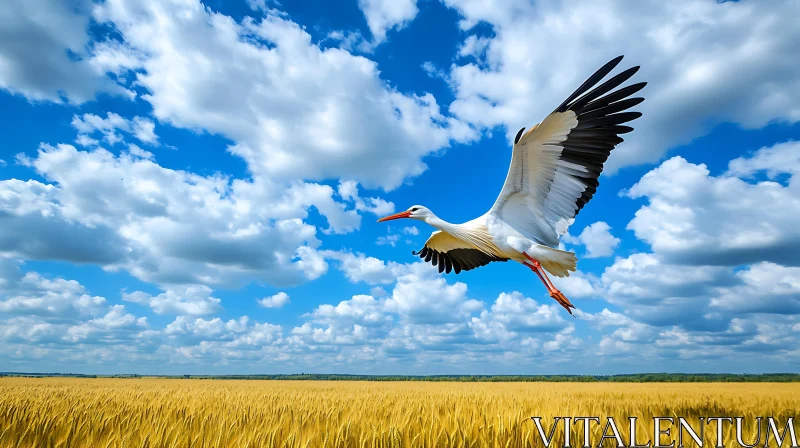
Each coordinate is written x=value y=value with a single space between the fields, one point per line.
x=275 y=301
x=411 y=231
x=423 y=296
x=661 y=293
x=401 y=326
x=358 y=267
x=306 y=107
x=687 y=50
x=383 y=15
x=191 y=300
x=597 y=239
x=578 y=285
x=513 y=313
x=761 y=288
x=348 y=190
x=141 y=128
x=55 y=315
x=209 y=337
x=43 y=48
x=721 y=252
x=423 y=317
x=115 y=326
x=758 y=337
x=776 y=160
x=696 y=218
x=430 y=320
x=395 y=235
x=31 y=294
x=162 y=225
x=388 y=240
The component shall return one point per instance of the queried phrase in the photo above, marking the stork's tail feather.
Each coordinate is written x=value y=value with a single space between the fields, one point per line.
x=558 y=262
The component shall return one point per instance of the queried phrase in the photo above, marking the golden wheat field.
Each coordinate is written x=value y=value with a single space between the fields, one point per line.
x=69 y=412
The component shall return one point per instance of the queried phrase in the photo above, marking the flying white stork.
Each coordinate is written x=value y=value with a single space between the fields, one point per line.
x=553 y=174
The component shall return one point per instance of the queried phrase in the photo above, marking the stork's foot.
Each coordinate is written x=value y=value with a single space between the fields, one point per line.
x=562 y=300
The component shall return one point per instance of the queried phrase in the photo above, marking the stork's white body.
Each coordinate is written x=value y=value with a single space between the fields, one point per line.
x=553 y=173
x=491 y=234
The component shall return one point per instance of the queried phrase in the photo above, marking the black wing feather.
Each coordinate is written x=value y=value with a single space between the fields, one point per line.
x=457 y=260
x=589 y=83
x=600 y=116
x=604 y=88
x=613 y=97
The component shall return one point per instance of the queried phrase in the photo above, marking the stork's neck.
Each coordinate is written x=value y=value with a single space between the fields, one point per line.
x=441 y=224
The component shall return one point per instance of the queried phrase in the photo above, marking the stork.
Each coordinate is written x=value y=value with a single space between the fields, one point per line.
x=553 y=174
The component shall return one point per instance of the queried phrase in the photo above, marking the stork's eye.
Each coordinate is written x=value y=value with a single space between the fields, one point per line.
x=415 y=209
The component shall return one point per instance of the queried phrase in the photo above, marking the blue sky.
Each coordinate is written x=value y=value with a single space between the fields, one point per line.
x=192 y=187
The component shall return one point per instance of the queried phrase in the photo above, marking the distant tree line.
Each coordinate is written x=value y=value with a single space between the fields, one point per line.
x=628 y=378
x=631 y=378
x=37 y=375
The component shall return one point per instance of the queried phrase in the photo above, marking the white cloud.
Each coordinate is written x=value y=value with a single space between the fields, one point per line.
x=513 y=313
x=363 y=310
x=261 y=5
x=300 y=196
x=721 y=256
x=348 y=190
x=578 y=285
x=43 y=316
x=433 y=71
x=114 y=326
x=358 y=267
x=141 y=128
x=657 y=292
x=31 y=294
x=388 y=240
x=411 y=230
x=206 y=328
x=275 y=301
x=43 y=52
x=421 y=295
x=424 y=319
x=429 y=320
x=162 y=225
x=394 y=235
x=597 y=239
x=377 y=291
x=687 y=50
x=722 y=250
x=782 y=158
x=696 y=218
x=383 y=15
x=110 y=56
x=306 y=107
x=192 y=300
x=352 y=41
x=604 y=318
x=136 y=151
x=761 y=288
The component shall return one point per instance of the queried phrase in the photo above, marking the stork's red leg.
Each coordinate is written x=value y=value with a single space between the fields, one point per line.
x=559 y=297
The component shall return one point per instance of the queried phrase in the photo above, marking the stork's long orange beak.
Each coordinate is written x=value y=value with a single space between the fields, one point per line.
x=405 y=214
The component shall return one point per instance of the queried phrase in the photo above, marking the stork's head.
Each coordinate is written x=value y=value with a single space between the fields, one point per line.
x=413 y=212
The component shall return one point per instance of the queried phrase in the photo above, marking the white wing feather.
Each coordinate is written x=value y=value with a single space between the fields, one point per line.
x=539 y=196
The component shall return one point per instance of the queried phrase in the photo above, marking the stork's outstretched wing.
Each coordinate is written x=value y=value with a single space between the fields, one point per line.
x=556 y=164
x=451 y=253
